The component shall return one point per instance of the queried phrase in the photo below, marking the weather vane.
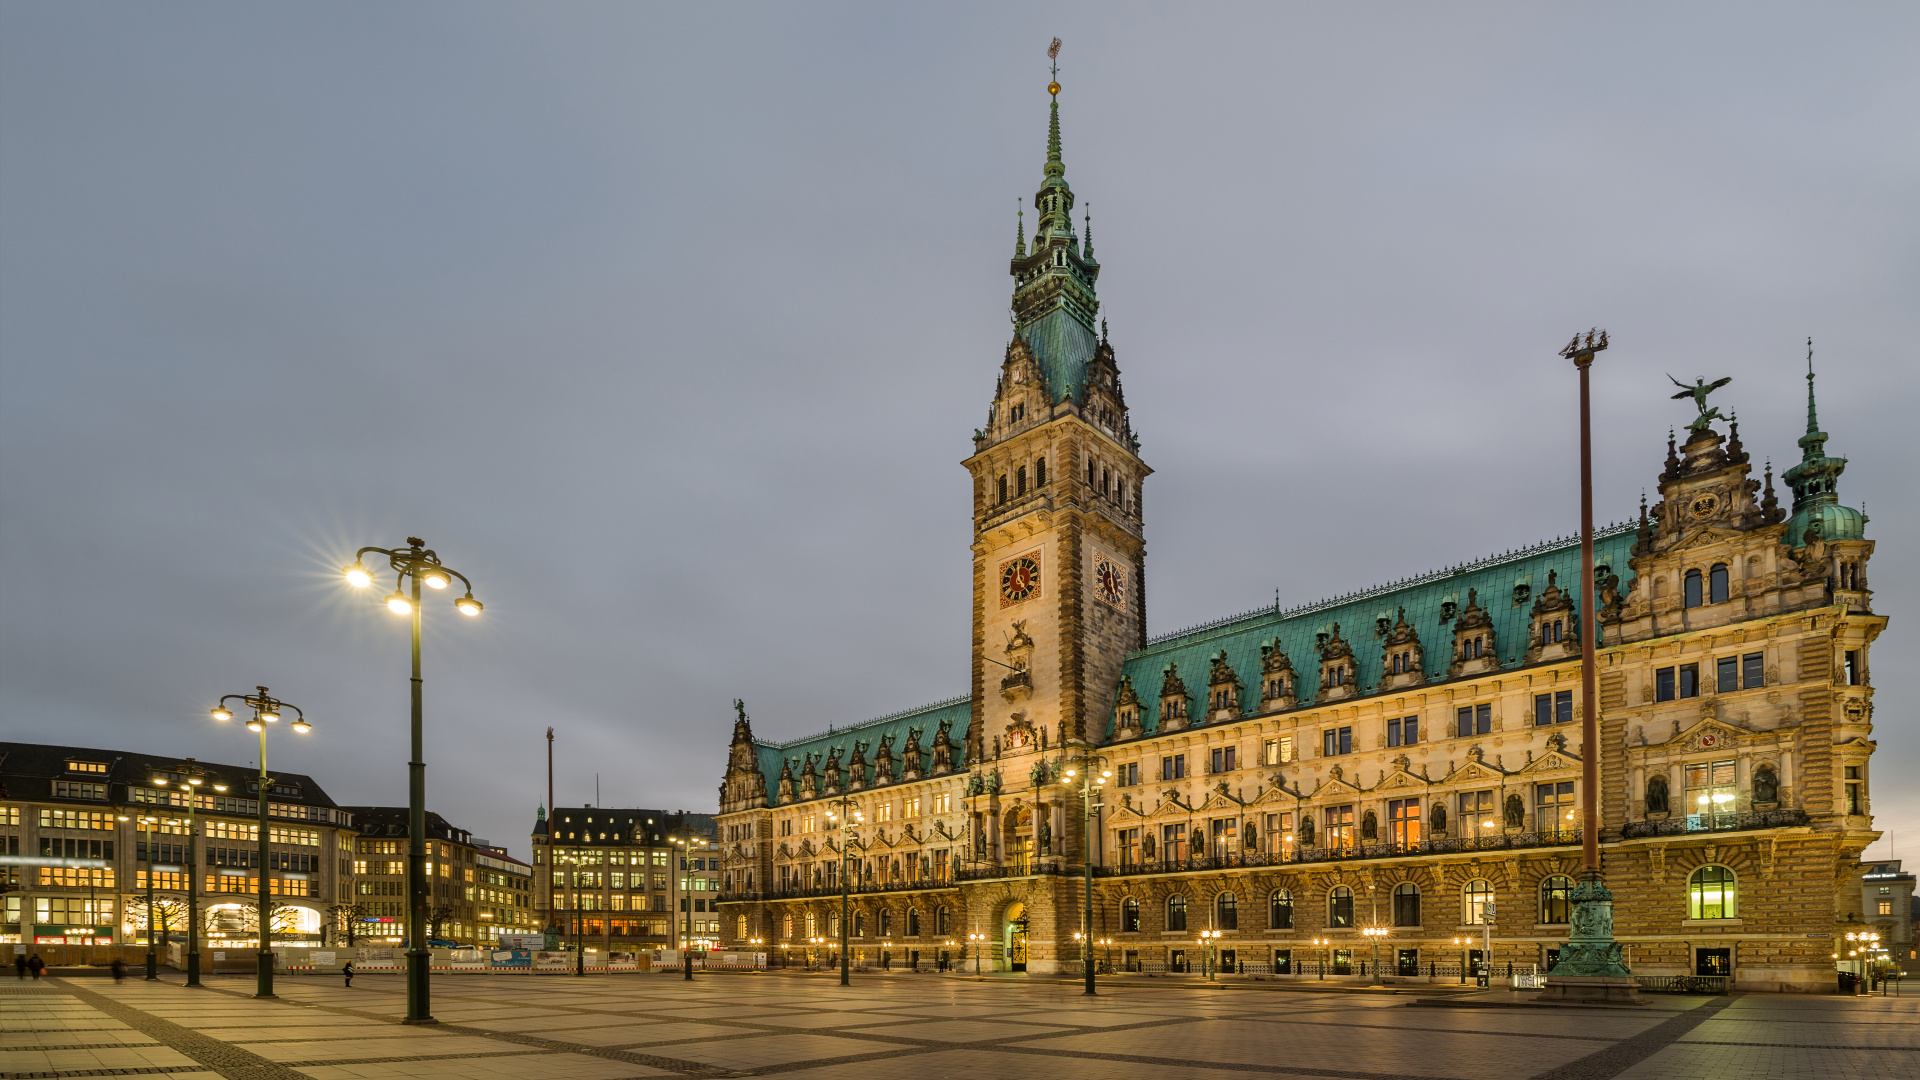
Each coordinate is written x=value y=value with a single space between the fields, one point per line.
x=1698 y=392
x=1053 y=54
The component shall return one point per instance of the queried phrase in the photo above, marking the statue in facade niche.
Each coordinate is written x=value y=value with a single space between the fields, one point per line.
x=912 y=751
x=1369 y=826
x=943 y=747
x=1766 y=785
x=1199 y=844
x=1252 y=841
x=1045 y=832
x=1306 y=830
x=1516 y=812
x=1656 y=794
x=1146 y=846
x=993 y=782
x=1437 y=819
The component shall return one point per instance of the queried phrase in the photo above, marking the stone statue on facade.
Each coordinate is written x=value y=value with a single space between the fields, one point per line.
x=1437 y=819
x=1516 y=812
x=1766 y=785
x=1656 y=794
x=1045 y=831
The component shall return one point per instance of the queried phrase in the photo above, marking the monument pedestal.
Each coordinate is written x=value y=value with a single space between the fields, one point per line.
x=1592 y=990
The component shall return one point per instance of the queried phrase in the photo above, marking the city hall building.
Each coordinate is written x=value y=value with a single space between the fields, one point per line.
x=1402 y=758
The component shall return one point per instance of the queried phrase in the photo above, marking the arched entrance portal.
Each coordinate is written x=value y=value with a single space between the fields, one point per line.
x=1015 y=937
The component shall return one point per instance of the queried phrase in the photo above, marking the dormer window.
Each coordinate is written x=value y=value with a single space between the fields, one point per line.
x=86 y=767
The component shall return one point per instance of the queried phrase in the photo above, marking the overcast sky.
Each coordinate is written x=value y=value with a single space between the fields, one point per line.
x=668 y=325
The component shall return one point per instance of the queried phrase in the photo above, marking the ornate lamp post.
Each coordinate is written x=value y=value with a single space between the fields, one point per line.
x=1320 y=946
x=976 y=943
x=1589 y=967
x=1375 y=933
x=412 y=566
x=1209 y=948
x=193 y=778
x=687 y=845
x=266 y=710
x=847 y=816
x=1089 y=787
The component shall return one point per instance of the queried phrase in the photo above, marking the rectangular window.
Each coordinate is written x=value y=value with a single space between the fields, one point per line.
x=1127 y=845
x=1173 y=843
x=1562 y=706
x=1854 y=800
x=1222 y=758
x=1476 y=813
x=1753 y=672
x=1553 y=807
x=1853 y=668
x=1689 y=680
x=1403 y=731
x=1542 y=710
x=1463 y=718
x=1130 y=773
x=1403 y=820
x=1173 y=767
x=1226 y=836
x=1279 y=833
x=1663 y=684
x=1279 y=751
x=64 y=789
x=1726 y=675
x=1346 y=740
x=1482 y=719
x=1339 y=833
x=1710 y=794
x=913 y=807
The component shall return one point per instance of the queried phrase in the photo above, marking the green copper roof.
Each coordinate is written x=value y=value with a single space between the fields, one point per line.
x=1816 y=483
x=957 y=711
x=1494 y=578
x=1054 y=300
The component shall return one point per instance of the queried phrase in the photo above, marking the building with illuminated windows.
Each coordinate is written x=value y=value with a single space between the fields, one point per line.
x=476 y=893
x=81 y=829
x=1404 y=758
x=616 y=880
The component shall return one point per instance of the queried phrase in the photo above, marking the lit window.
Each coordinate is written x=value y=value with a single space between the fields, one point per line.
x=1710 y=893
x=1477 y=896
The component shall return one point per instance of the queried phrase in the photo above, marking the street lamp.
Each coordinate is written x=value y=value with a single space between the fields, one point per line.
x=1320 y=946
x=147 y=822
x=1461 y=943
x=1209 y=948
x=192 y=777
x=847 y=816
x=976 y=943
x=1090 y=787
x=1376 y=933
x=266 y=710
x=413 y=565
x=687 y=844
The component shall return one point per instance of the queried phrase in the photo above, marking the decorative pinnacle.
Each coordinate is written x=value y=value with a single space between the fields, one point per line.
x=1813 y=422
x=1053 y=54
x=1575 y=350
x=1019 y=231
x=1089 y=238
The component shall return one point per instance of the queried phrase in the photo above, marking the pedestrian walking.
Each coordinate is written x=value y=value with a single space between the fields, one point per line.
x=36 y=965
x=119 y=969
x=20 y=965
x=348 y=972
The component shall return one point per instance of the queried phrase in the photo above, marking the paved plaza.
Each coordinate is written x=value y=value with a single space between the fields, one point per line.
x=610 y=1027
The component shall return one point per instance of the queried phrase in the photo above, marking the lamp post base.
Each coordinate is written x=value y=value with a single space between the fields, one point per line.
x=1590 y=967
x=1592 y=990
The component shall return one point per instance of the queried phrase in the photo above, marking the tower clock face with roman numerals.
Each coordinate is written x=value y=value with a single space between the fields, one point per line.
x=1020 y=579
x=1110 y=582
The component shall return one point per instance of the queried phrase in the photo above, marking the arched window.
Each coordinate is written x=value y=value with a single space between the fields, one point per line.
x=860 y=924
x=940 y=920
x=1710 y=893
x=913 y=922
x=1020 y=480
x=1691 y=596
x=740 y=927
x=786 y=926
x=1040 y=472
x=1340 y=907
x=1129 y=916
x=1280 y=910
x=1717 y=584
x=1555 y=903
x=1477 y=895
x=1406 y=904
x=1003 y=487
x=886 y=922
x=813 y=925
x=1226 y=912
x=1176 y=913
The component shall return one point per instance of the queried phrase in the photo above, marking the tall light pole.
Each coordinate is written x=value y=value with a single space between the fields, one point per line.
x=687 y=845
x=266 y=710
x=192 y=778
x=147 y=822
x=848 y=817
x=1089 y=785
x=1590 y=965
x=413 y=565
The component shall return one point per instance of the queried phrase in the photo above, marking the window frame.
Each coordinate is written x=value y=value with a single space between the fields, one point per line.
x=1475 y=895
x=1718 y=882
x=1339 y=908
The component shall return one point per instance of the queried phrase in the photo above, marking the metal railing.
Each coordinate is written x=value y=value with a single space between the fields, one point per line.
x=1699 y=823
x=1685 y=984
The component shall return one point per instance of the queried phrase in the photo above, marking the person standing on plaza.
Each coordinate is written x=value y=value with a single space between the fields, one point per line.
x=347 y=971
x=19 y=965
x=119 y=969
x=36 y=965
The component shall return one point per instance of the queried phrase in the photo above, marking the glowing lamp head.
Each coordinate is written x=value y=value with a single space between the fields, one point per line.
x=256 y=725
x=357 y=575
x=302 y=726
x=434 y=579
x=222 y=713
x=467 y=605
x=399 y=604
x=269 y=716
x=195 y=781
x=216 y=787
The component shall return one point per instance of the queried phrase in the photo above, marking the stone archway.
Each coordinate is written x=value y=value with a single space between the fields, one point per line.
x=1013 y=936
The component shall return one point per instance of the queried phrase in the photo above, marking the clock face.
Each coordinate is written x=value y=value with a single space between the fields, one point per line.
x=1020 y=579
x=1109 y=582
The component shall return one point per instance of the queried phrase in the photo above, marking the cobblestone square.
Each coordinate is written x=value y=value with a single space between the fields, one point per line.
x=919 y=1028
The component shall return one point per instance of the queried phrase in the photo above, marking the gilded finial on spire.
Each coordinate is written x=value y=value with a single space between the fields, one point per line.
x=1053 y=54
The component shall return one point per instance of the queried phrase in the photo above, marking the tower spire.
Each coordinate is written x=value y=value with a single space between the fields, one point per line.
x=1019 y=231
x=1816 y=482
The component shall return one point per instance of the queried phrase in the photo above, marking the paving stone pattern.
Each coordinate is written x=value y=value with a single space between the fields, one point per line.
x=919 y=1028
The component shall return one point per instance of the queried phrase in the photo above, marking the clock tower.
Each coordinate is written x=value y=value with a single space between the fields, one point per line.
x=1058 y=553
